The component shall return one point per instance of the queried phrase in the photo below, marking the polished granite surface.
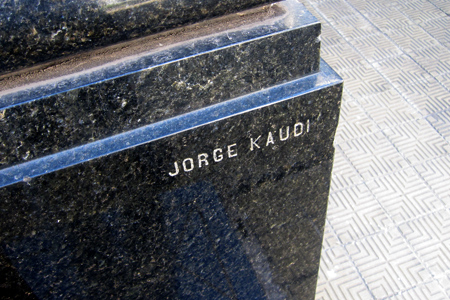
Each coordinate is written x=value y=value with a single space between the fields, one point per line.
x=192 y=164
x=35 y=31
x=207 y=63
x=225 y=202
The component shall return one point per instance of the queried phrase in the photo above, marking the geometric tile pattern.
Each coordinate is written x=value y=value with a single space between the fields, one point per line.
x=441 y=122
x=373 y=155
x=437 y=176
x=387 y=264
x=339 y=278
x=417 y=141
x=405 y=196
x=387 y=233
x=429 y=237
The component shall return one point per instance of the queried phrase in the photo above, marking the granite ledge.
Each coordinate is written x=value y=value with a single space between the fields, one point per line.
x=33 y=168
x=36 y=31
x=50 y=118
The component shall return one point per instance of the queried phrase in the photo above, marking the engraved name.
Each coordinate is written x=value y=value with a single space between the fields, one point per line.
x=202 y=159
x=218 y=155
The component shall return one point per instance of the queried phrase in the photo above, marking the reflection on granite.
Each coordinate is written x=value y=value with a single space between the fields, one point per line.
x=239 y=198
x=12 y=286
x=210 y=263
x=48 y=118
x=33 y=31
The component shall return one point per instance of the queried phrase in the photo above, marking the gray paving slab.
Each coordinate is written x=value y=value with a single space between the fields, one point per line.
x=387 y=233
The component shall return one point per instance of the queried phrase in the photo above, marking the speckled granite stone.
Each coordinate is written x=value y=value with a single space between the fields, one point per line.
x=225 y=202
x=12 y=286
x=33 y=31
x=172 y=79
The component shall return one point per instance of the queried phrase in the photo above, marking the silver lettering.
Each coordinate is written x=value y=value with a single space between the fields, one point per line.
x=218 y=154
x=232 y=152
x=270 y=139
x=253 y=142
x=202 y=159
x=191 y=162
x=296 y=130
x=281 y=134
x=217 y=157
x=177 y=170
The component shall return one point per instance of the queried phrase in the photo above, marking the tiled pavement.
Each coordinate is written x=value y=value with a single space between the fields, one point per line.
x=387 y=234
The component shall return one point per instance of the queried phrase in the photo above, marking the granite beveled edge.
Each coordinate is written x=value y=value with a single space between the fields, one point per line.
x=112 y=62
x=37 y=31
x=26 y=171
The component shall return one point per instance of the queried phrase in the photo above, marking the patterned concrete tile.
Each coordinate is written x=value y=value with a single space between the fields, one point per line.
x=330 y=37
x=384 y=99
x=387 y=264
x=445 y=284
x=330 y=239
x=436 y=51
x=364 y=6
x=430 y=291
x=443 y=5
x=335 y=57
x=417 y=141
x=401 y=70
x=439 y=28
x=434 y=59
x=350 y=109
x=388 y=109
x=387 y=18
x=363 y=81
x=353 y=123
x=373 y=155
x=444 y=79
x=346 y=96
x=354 y=27
x=338 y=278
x=344 y=174
x=387 y=228
x=376 y=47
x=411 y=38
x=333 y=10
x=419 y=11
x=436 y=174
x=428 y=96
x=441 y=122
x=404 y=195
x=429 y=238
x=352 y=130
x=354 y=213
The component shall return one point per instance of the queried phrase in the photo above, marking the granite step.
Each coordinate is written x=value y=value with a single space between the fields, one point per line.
x=81 y=99
x=36 y=31
x=225 y=202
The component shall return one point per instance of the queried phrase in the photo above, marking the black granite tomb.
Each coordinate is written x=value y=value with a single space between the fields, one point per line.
x=190 y=164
